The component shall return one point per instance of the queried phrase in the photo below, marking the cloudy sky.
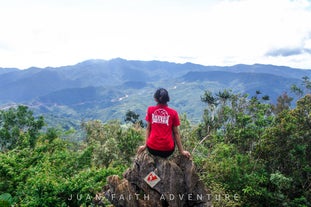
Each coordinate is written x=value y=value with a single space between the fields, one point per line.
x=54 y=33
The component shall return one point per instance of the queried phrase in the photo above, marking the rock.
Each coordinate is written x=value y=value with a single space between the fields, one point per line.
x=178 y=184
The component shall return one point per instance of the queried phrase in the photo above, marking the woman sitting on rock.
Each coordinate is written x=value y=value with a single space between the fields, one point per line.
x=162 y=128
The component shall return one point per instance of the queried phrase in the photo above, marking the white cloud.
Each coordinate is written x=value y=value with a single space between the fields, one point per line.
x=62 y=32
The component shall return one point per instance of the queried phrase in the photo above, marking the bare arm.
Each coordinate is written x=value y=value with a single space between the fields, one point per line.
x=143 y=147
x=178 y=142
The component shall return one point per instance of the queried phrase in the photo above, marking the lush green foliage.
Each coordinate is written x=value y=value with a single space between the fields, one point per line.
x=247 y=151
x=258 y=151
x=18 y=127
x=56 y=172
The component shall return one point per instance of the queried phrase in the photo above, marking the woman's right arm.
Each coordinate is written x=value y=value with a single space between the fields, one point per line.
x=143 y=147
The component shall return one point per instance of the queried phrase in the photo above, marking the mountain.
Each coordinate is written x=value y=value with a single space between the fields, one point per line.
x=247 y=82
x=106 y=89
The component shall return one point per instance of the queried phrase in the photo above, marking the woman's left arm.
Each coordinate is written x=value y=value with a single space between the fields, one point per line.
x=178 y=142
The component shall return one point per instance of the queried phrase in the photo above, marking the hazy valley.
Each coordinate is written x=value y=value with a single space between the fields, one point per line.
x=105 y=90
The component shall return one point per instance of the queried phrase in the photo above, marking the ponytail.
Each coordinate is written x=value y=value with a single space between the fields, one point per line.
x=161 y=95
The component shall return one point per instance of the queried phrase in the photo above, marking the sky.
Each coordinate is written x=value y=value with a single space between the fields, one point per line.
x=42 y=33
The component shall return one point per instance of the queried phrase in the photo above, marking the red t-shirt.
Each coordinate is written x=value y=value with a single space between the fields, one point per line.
x=162 y=119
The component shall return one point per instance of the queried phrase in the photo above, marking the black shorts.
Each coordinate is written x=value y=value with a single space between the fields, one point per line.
x=160 y=153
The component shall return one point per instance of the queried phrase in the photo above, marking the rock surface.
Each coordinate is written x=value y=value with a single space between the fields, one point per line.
x=177 y=185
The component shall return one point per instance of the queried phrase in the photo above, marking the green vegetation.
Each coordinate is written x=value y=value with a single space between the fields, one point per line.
x=247 y=151
x=51 y=171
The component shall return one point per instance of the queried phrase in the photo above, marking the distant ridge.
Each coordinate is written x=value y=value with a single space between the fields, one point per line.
x=86 y=90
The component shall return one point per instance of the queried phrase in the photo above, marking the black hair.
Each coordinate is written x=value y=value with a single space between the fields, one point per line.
x=161 y=95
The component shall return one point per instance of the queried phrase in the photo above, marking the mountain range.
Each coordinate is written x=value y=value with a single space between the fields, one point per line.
x=107 y=89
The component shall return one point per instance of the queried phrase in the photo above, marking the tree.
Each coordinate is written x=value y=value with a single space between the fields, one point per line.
x=306 y=83
x=283 y=103
x=237 y=126
x=103 y=139
x=133 y=118
x=19 y=127
x=111 y=142
x=286 y=148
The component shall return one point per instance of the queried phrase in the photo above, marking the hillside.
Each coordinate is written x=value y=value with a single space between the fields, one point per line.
x=100 y=89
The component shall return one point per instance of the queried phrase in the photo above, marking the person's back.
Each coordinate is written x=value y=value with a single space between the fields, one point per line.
x=162 y=128
x=162 y=119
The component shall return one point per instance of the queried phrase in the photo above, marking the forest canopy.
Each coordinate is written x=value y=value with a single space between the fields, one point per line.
x=243 y=146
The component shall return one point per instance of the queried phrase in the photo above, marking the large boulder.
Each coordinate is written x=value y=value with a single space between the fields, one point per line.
x=154 y=181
